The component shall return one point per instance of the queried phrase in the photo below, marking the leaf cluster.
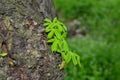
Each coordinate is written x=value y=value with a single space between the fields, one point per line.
x=57 y=32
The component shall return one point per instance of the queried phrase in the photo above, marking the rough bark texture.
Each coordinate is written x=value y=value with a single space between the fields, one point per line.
x=22 y=36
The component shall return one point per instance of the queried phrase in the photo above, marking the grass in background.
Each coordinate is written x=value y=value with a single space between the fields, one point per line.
x=99 y=60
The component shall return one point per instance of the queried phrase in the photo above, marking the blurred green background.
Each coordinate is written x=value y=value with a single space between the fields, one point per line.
x=93 y=33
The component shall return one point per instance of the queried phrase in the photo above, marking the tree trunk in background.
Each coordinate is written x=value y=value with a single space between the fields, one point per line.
x=23 y=38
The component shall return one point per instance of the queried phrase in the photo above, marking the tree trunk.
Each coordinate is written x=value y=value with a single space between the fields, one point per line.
x=23 y=38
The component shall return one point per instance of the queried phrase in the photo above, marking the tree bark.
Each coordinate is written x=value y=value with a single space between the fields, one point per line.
x=23 y=38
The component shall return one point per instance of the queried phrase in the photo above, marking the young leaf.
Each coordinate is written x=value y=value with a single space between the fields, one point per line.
x=60 y=45
x=47 y=20
x=50 y=40
x=68 y=57
x=55 y=20
x=50 y=26
x=60 y=28
x=64 y=35
x=46 y=24
x=54 y=46
x=48 y=30
x=63 y=55
x=58 y=35
x=3 y=54
x=50 y=35
x=65 y=28
x=78 y=60
x=65 y=45
x=74 y=59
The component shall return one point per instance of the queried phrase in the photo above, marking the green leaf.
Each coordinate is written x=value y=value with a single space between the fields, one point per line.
x=48 y=30
x=63 y=55
x=47 y=20
x=65 y=45
x=68 y=57
x=46 y=24
x=60 y=28
x=65 y=28
x=55 y=20
x=60 y=45
x=74 y=59
x=3 y=54
x=64 y=35
x=54 y=46
x=49 y=27
x=50 y=34
x=78 y=60
x=50 y=40
x=58 y=35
